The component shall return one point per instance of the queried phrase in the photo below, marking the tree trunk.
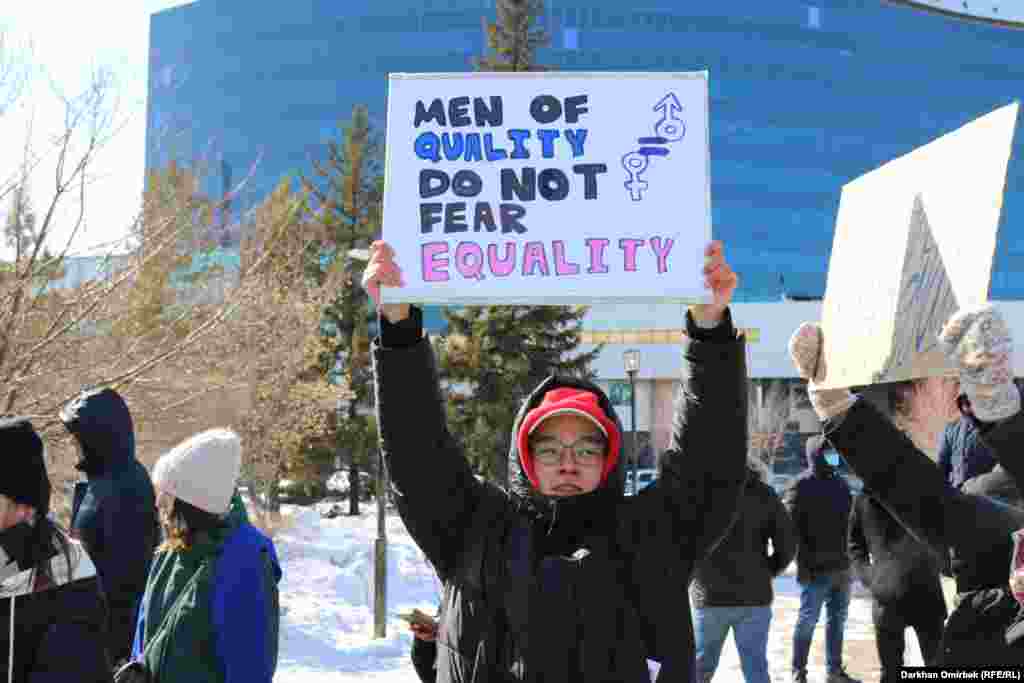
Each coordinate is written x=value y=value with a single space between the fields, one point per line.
x=272 y=498
x=353 y=488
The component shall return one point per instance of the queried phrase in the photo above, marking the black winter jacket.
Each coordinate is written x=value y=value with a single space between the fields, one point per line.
x=975 y=528
x=59 y=629
x=575 y=589
x=740 y=571
x=895 y=568
x=819 y=503
x=114 y=513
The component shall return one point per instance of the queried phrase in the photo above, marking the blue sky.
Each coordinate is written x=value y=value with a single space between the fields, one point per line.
x=66 y=40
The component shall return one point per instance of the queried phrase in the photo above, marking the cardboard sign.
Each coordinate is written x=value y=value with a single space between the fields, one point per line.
x=548 y=188
x=914 y=243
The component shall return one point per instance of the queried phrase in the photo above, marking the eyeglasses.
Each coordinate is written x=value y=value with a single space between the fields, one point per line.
x=587 y=452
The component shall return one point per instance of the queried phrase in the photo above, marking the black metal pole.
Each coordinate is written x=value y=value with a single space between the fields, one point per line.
x=380 y=545
x=632 y=426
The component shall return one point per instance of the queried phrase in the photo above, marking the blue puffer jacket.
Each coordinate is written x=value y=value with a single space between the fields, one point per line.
x=114 y=513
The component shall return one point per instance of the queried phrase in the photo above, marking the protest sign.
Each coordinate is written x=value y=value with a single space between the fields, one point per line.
x=914 y=243
x=547 y=188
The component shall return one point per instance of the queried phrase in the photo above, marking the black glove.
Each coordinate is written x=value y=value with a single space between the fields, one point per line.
x=20 y=543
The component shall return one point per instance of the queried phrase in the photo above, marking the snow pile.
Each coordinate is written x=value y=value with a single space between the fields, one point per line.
x=327 y=598
x=327 y=608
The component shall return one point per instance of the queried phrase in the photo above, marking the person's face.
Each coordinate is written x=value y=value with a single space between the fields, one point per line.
x=12 y=514
x=568 y=455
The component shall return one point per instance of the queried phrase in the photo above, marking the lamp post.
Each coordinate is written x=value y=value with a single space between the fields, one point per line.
x=631 y=361
x=380 y=553
x=380 y=545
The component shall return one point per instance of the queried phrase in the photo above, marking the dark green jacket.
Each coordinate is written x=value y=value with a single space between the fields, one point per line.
x=225 y=628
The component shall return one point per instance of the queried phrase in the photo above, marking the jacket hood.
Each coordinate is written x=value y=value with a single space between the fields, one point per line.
x=102 y=423
x=611 y=489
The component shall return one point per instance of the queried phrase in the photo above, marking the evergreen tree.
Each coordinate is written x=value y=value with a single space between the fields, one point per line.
x=20 y=227
x=495 y=355
x=514 y=38
x=346 y=194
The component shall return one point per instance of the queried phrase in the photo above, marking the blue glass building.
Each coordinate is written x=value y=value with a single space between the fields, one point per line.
x=805 y=96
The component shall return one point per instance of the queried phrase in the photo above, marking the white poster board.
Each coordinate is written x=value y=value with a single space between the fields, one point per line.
x=914 y=243
x=548 y=188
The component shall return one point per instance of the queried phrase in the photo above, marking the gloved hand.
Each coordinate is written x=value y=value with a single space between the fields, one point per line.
x=18 y=544
x=806 y=349
x=978 y=342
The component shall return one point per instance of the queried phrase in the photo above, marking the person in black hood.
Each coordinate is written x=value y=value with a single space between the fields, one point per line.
x=974 y=529
x=732 y=588
x=562 y=578
x=53 y=616
x=819 y=502
x=902 y=576
x=114 y=511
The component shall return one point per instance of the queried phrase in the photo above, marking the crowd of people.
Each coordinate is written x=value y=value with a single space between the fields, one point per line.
x=563 y=578
x=559 y=577
x=160 y=577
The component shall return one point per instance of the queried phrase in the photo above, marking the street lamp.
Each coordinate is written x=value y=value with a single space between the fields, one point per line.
x=631 y=361
x=346 y=406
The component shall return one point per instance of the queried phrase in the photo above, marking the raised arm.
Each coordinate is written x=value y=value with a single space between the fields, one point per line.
x=438 y=493
x=704 y=470
x=907 y=483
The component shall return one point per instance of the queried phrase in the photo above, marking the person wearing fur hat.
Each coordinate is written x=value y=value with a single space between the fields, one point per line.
x=113 y=511
x=986 y=627
x=210 y=611
x=52 y=609
x=562 y=577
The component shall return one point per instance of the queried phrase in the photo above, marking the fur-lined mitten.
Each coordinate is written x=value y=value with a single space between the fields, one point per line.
x=978 y=342
x=806 y=349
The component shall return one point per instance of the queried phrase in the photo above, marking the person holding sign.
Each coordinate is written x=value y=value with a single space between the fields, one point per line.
x=973 y=529
x=563 y=578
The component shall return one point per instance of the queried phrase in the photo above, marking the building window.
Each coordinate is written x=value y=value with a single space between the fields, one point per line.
x=814 y=17
x=570 y=38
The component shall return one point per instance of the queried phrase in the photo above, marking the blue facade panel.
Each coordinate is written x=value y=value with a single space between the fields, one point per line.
x=805 y=96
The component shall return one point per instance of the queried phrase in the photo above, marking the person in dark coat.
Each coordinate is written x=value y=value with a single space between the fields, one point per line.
x=732 y=588
x=986 y=628
x=902 y=576
x=962 y=454
x=114 y=511
x=819 y=503
x=53 y=615
x=562 y=577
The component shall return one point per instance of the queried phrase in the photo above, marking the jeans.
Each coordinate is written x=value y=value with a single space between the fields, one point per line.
x=834 y=591
x=749 y=630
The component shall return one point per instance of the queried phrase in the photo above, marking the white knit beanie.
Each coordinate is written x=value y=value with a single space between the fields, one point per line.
x=203 y=470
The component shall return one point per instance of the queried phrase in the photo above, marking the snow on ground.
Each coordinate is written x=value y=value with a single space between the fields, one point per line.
x=327 y=615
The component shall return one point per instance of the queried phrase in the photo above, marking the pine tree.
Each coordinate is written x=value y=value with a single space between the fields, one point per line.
x=495 y=355
x=515 y=37
x=346 y=201
x=20 y=227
